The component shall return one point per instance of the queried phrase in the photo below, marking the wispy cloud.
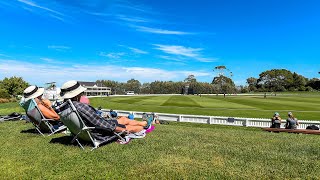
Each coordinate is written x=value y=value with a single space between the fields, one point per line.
x=4 y=55
x=160 y=31
x=137 y=51
x=131 y=19
x=194 y=53
x=170 y=58
x=112 y=55
x=30 y=72
x=59 y=47
x=52 y=61
x=33 y=4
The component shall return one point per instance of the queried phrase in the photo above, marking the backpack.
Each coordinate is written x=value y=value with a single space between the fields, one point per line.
x=313 y=127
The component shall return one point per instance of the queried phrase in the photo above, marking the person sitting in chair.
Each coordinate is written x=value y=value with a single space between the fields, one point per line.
x=34 y=92
x=292 y=122
x=276 y=120
x=73 y=90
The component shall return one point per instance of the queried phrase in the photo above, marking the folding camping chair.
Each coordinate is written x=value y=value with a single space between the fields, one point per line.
x=41 y=123
x=71 y=118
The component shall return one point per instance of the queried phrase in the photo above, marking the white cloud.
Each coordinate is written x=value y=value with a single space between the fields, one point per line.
x=42 y=73
x=59 y=48
x=137 y=51
x=131 y=19
x=112 y=55
x=160 y=31
x=3 y=55
x=189 y=52
x=33 y=4
x=171 y=58
x=52 y=61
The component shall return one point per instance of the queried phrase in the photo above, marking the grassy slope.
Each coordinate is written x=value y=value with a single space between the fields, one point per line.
x=175 y=151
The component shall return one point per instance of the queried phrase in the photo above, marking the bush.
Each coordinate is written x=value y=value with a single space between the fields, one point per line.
x=4 y=94
x=5 y=100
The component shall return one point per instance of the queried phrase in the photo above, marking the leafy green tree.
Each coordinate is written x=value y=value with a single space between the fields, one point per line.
x=313 y=83
x=226 y=84
x=276 y=80
x=133 y=85
x=4 y=94
x=14 y=85
x=190 y=79
x=252 y=83
x=299 y=82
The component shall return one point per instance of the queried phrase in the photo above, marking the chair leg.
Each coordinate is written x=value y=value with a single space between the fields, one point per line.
x=80 y=144
x=40 y=131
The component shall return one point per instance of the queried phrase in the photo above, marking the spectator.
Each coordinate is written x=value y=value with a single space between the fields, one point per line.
x=73 y=90
x=33 y=92
x=291 y=122
x=276 y=120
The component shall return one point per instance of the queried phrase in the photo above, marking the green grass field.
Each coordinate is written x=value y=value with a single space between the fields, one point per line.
x=174 y=151
x=303 y=106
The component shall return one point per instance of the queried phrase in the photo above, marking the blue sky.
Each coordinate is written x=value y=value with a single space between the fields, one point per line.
x=148 y=40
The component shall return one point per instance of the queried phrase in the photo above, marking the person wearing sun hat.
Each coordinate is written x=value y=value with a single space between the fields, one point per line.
x=34 y=92
x=276 y=120
x=291 y=122
x=73 y=90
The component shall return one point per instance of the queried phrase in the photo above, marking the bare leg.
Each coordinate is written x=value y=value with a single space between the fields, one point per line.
x=125 y=121
x=129 y=128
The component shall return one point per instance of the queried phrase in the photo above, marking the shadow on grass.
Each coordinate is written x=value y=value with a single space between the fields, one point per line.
x=31 y=131
x=66 y=140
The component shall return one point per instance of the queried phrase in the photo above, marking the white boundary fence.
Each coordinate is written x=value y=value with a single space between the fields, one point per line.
x=232 y=121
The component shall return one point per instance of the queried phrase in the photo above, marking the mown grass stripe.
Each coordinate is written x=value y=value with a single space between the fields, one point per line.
x=181 y=101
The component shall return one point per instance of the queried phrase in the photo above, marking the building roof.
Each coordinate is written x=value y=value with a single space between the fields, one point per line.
x=87 y=84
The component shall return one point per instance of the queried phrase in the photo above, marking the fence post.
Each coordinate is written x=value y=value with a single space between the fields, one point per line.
x=179 y=118
x=246 y=123
x=209 y=120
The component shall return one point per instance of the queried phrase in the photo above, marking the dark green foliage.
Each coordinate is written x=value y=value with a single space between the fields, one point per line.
x=13 y=85
x=4 y=94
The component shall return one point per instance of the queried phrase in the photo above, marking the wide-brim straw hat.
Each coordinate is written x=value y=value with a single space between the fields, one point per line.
x=71 y=89
x=32 y=92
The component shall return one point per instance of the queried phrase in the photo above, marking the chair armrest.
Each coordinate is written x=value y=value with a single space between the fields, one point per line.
x=48 y=120
x=97 y=128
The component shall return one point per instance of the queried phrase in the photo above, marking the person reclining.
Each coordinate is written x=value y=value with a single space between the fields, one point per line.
x=33 y=92
x=73 y=90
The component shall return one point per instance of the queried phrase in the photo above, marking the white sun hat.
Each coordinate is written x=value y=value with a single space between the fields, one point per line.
x=71 y=89
x=32 y=92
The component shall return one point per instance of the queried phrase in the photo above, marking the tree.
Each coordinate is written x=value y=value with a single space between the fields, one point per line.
x=190 y=79
x=133 y=85
x=226 y=84
x=14 y=85
x=252 y=83
x=299 y=82
x=276 y=80
x=111 y=84
x=313 y=83
x=221 y=82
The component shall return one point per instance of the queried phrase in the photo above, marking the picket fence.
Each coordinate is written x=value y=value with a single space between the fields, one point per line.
x=221 y=120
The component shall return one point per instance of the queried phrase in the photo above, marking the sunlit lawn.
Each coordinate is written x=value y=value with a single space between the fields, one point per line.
x=303 y=106
x=174 y=151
